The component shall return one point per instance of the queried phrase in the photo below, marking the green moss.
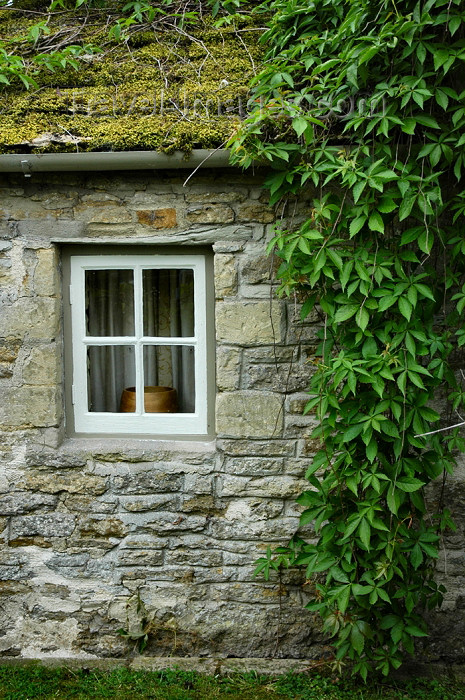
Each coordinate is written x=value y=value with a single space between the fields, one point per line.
x=124 y=99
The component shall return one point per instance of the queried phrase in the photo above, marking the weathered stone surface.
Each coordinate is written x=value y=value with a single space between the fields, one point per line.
x=172 y=522
x=256 y=212
x=152 y=481
x=47 y=525
x=68 y=564
x=17 y=503
x=157 y=218
x=249 y=414
x=14 y=573
x=9 y=350
x=141 y=557
x=42 y=366
x=284 y=378
x=225 y=275
x=149 y=503
x=30 y=406
x=46 y=457
x=259 y=269
x=300 y=426
x=248 y=448
x=210 y=214
x=33 y=318
x=245 y=323
x=57 y=481
x=46 y=273
x=295 y=405
x=59 y=201
x=200 y=504
x=274 y=487
x=228 y=368
x=103 y=527
x=194 y=557
x=198 y=484
x=254 y=466
x=215 y=197
x=103 y=214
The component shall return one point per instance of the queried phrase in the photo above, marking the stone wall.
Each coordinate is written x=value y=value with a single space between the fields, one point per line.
x=87 y=525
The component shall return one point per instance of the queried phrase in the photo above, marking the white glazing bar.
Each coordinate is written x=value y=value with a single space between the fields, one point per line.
x=138 y=322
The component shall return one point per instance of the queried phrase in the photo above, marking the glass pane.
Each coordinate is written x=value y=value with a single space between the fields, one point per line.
x=111 y=369
x=110 y=302
x=168 y=299
x=170 y=367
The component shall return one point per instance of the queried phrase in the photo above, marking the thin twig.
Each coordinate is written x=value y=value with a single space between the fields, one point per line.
x=441 y=430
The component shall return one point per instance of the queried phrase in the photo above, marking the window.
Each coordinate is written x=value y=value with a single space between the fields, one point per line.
x=139 y=344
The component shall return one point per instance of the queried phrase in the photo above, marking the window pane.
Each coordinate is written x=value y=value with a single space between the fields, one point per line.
x=168 y=301
x=110 y=302
x=171 y=366
x=111 y=369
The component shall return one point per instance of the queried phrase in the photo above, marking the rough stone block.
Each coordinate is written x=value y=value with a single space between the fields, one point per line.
x=47 y=525
x=42 y=366
x=69 y=565
x=18 y=503
x=6 y=370
x=260 y=448
x=143 y=557
x=9 y=350
x=210 y=214
x=30 y=407
x=7 y=274
x=254 y=466
x=105 y=214
x=256 y=212
x=69 y=482
x=296 y=404
x=284 y=378
x=198 y=484
x=103 y=527
x=157 y=218
x=249 y=414
x=152 y=481
x=268 y=487
x=60 y=201
x=215 y=197
x=194 y=557
x=246 y=323
x=225 y=275
x=149 y=503
x=270 y=354
x=46 y=273
x=34 y=318
x=300 y=426
x=259 y=269
x=200 y=504
x=163 y=523
x=228 y=366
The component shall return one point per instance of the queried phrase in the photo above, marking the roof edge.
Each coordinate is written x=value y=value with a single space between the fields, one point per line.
x=29 y=163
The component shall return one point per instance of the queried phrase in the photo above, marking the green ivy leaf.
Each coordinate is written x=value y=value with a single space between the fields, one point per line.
x=409 y=483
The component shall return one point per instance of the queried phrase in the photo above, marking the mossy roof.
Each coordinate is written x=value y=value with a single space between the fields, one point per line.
x=165 y=88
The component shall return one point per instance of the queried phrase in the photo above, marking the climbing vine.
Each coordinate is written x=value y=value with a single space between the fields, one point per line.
x=360 y=108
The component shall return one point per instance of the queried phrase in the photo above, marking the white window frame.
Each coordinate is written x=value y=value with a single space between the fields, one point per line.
x=137 y=423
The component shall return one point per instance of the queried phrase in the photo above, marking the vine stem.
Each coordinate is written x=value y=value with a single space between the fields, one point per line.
x=441 y=430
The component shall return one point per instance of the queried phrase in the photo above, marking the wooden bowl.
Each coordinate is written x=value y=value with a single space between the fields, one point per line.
x=157 y=399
